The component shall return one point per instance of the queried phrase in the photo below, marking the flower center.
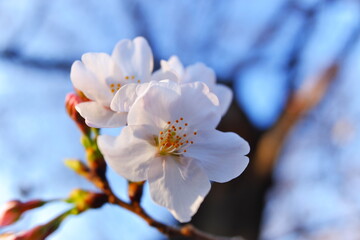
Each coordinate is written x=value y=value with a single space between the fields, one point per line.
x=115 y=85
x=175 y=138
x=132 y=78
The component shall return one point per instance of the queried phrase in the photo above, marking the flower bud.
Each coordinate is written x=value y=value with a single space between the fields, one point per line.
x=41 y=232
x=71 y=101
x=81 y=95
x=84 y=200
x=77 y=166
x=96 y=162
x=86 y=141
x=12 y=210
x=7 y=236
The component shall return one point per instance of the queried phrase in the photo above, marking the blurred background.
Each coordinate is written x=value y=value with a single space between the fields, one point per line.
x=294 y=69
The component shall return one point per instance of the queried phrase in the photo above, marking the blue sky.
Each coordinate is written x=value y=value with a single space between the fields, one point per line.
x=36 y=133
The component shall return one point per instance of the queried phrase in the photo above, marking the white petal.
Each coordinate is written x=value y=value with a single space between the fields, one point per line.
x=134 y=58
x=87 y=82
x=200 y=72
x=167 y=84
x=220 y=154
x=225 y=95
x=167 y=101
x=163 y=74
x=178 y=184
x=175 y=64
x=154 y=106
x=142 y=88
x=98 y=116
x=124 y=98
x=100 y=64
x=129 y=154
x=199 y=106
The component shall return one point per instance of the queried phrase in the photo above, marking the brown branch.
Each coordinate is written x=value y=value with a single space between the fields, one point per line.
x=187 y=231
x=16 y=56
x=300 y=103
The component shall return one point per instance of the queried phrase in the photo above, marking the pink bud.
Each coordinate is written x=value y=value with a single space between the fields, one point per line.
x=12 y=210
x=81 y=95
x=41 y=232
x=10 y=213
x=7 y=236
x=37 y=233
x=71 y=100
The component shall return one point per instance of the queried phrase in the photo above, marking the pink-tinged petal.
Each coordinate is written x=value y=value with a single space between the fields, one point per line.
x=225 y=95
x=167 y=101
x=175 y=64
x=131 y=153
x=220 y=154
x=178 y=184
x=127 y=95
x=134 y=58
x=100 y=64
x=198 y=106
x=156 y=104
x=199 y=72
x=142 y=88
x=89 y=84
x=98 y=116
x=124 y=98
x=165 y=74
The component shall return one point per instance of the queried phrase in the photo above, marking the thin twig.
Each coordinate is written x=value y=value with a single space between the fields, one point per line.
x=299 y=104
x=187 y=231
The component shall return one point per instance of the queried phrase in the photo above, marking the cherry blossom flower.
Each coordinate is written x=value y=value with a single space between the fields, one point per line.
x=99 y=76
x=193 y=73
x=171 y=141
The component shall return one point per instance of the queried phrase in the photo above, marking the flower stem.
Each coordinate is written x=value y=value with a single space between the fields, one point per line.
x=187 y=231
